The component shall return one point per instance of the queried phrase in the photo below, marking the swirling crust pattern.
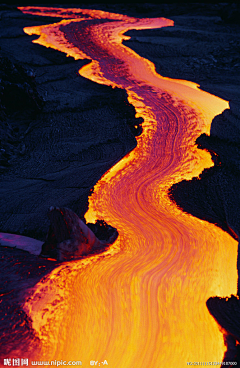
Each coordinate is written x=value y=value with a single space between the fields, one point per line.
x=142 y=303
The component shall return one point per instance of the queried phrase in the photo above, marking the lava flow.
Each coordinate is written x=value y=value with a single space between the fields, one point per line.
x=142 y=303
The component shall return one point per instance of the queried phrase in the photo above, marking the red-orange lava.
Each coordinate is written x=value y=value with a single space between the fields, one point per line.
x=142 y=303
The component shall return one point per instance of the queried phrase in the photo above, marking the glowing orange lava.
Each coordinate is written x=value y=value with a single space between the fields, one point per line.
x=142 y=303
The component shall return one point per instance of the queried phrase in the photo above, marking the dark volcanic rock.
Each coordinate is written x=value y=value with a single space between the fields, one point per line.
x=214 y=196
x=230 y=13
x=7 y=7
x=103 y=231
x=226 y=126
x=18 y=87
x=226 y=311
x=127 y=111
x=18 y=98
x=69 y=238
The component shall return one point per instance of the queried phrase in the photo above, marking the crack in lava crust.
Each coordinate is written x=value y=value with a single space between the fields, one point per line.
x=142 y=303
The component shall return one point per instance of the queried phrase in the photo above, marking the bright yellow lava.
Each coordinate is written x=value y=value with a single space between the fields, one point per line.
x=142 y=303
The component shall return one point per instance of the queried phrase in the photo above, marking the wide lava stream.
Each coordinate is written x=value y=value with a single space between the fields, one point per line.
x=142 y=303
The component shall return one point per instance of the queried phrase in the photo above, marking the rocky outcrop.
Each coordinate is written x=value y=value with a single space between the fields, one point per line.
x=230 y=13
x=226 y=312
x=214 y=195
x=70 y=238
x=103 y=231
x=19 y=102
x=18 y=87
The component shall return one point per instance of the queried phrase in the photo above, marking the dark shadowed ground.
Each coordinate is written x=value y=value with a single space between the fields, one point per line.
x=60 y=132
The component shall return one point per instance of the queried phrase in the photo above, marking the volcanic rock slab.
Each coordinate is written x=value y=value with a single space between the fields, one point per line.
x=69 y=237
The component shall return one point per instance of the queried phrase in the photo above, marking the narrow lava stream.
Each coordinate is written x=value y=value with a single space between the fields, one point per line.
x=142 y=303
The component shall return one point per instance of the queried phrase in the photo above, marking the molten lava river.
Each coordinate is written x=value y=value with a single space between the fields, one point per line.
x=141 y=303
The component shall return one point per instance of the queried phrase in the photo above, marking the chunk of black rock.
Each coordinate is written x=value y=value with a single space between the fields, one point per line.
x=103 y=231
x=226 y=311
x=70 y=238
x=230 y=13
